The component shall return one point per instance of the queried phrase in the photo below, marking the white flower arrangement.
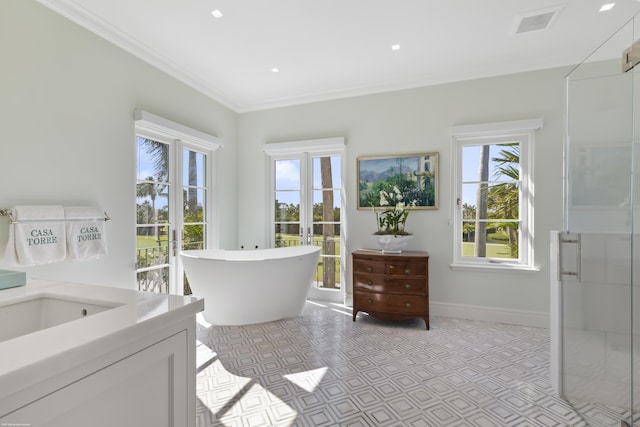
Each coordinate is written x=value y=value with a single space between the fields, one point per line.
x=392 y=220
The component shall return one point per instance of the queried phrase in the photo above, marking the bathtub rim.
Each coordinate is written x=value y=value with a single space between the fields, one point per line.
x=243 y=255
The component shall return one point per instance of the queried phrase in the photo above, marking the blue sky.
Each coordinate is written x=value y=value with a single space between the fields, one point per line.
x=288 y=173
x=470 y=165
x=145 y=170
x=288 y=178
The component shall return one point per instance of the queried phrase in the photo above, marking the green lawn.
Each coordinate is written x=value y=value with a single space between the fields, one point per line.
x=494 y=250
x=293 y=239
x=150 y=241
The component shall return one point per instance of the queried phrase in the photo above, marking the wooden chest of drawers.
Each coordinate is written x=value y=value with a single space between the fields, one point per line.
x=391 y=286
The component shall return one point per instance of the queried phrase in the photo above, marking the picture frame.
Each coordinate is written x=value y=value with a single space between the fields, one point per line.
x=415 y=175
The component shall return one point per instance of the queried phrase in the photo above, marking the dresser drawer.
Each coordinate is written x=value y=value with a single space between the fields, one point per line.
x=390 y=268
x=369 y=266
x=391 y=286
x=406 y=268
x=390 y=303
x=397 y=285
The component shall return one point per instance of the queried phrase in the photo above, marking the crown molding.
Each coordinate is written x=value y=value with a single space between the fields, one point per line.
x=76 y=13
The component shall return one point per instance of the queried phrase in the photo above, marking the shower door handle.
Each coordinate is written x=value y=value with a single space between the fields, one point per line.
x=565 y=238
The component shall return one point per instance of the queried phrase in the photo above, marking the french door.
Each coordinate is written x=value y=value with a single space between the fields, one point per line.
x=172 y=210
x=306 y=189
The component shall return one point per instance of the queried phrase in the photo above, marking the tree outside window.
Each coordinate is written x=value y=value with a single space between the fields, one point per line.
x=493 y=182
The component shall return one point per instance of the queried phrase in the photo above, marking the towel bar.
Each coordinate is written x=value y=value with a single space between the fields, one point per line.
x=12 y=220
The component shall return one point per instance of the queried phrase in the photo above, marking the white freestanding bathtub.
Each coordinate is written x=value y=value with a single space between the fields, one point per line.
x=254 y=286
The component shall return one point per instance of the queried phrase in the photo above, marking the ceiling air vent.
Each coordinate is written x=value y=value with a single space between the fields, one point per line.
x=536 y=20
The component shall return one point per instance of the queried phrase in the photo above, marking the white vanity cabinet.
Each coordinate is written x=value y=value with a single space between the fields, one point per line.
x=142 y=374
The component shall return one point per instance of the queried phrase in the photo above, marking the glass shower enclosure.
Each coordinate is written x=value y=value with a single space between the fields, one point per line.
x=597 y=273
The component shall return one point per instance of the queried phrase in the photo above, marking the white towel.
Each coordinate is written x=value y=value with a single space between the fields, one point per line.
x=38 y=236
x=86 y=237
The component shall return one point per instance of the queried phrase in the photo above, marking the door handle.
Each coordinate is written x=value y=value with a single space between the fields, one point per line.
x=174 y=243
x=564 y=238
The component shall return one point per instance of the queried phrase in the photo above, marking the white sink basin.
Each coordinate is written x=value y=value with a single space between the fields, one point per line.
x=42 y=312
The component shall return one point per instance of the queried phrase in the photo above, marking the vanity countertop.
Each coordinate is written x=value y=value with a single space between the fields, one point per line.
x=26 y=359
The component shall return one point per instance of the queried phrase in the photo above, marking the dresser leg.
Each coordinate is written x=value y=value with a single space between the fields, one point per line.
x=355 y=313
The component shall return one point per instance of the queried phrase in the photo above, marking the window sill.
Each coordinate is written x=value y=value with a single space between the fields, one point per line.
x=517 y=268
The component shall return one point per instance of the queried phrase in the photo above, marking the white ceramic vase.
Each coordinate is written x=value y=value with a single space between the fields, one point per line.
x=391 y=244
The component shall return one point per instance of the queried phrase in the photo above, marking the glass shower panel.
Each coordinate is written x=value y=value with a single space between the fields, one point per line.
x=596 y=252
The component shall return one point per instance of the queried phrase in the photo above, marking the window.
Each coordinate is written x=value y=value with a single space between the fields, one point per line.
x=493 y=188
x=305 y=184
x=173 y=199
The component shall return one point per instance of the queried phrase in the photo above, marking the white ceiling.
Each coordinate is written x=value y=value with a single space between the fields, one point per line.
x=327 y=49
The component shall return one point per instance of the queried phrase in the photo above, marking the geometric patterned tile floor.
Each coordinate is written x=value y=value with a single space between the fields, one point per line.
x=322 y=369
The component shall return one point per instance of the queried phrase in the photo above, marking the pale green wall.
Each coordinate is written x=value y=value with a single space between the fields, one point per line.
x=419 y=120
x=67 y=99
x=66 y=104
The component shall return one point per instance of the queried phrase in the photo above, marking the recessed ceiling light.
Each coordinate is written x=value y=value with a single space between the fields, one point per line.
x=606 y=7
x=395 y=47
x=216 y=13
x=275 y=70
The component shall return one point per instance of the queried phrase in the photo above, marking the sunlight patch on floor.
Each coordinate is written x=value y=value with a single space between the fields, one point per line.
x=204 y=355
x=316 y=303
x=307 y=380
x=231 y=397
x=222 y=389
x=200 y=320
x=342 y=312
x=334 y=306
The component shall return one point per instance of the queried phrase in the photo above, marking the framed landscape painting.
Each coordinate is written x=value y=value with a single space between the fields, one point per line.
x=415 y=176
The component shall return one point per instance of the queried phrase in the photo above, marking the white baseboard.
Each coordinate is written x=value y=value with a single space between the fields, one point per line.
x=490 y=314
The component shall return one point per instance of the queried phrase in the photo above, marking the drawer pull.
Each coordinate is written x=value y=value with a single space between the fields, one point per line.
x=369 y=283
x=407 y=304
x=407 y=286
x=407 y=270
x=369 y=269
x=369 y=301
